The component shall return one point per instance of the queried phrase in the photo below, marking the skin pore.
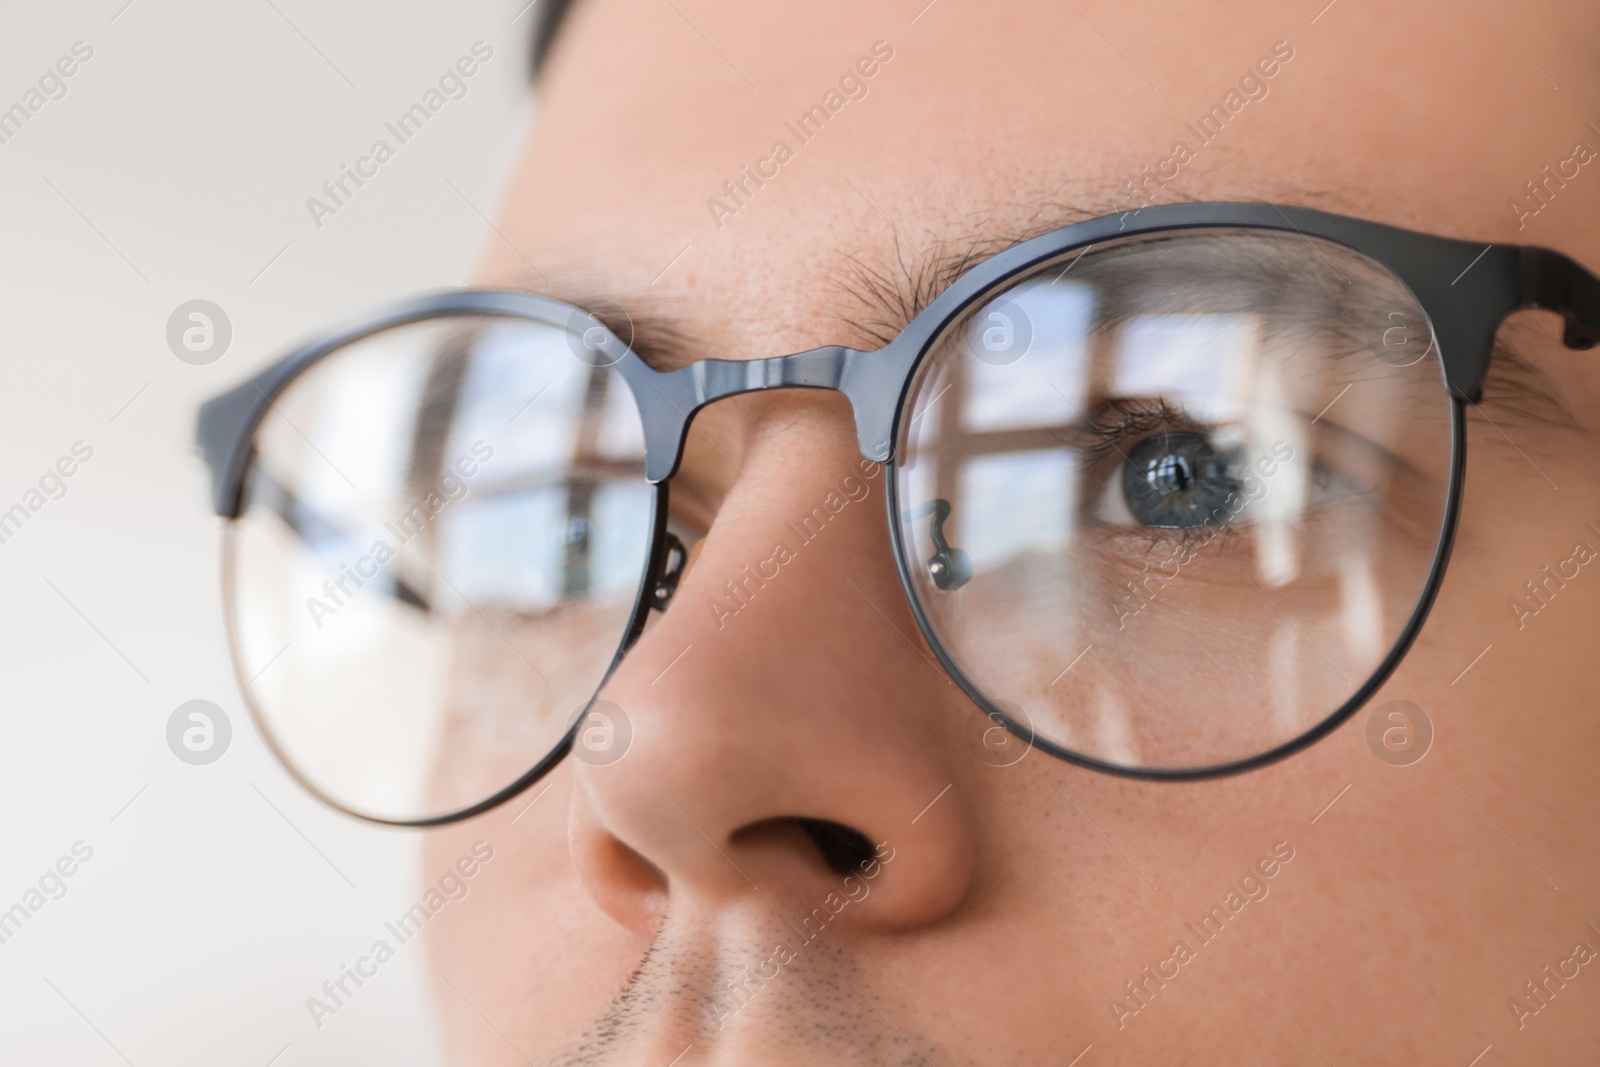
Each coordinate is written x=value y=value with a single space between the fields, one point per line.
x=1010 y=906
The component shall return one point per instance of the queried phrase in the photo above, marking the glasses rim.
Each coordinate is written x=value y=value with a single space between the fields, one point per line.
x=543 y=766
x=1380 y=674
x=1463 y=289
x=1484 y=285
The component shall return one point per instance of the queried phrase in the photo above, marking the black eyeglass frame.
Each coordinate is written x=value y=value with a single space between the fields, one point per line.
x=1464 y=289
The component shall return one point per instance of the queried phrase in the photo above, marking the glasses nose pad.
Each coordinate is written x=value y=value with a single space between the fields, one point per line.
x=950 y=568
x=676 y=559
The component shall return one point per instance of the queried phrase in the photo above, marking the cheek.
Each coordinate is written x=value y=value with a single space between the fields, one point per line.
x=1500 y=803
x=1537 y=660
x=527 y=943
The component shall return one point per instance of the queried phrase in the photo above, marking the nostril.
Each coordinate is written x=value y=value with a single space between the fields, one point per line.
x=626 y=885
x=844 y=849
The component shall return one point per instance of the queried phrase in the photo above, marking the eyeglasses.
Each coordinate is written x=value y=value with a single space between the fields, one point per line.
x=1170 y=495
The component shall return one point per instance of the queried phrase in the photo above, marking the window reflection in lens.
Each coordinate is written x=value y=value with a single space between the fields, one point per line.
x=445 y=529
x=1198 y=470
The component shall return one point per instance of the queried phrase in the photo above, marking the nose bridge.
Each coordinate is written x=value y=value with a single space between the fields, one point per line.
x=778 y=687
x=871 y=381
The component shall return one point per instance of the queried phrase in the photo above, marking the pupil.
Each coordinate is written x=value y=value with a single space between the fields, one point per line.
x=1176 y=480
x=1172 y=474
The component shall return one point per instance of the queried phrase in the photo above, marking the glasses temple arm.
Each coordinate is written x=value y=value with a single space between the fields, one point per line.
x=1555 y=282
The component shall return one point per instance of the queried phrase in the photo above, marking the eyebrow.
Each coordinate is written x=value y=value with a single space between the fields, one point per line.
x=888 y=297
x=649 y=325
x=877 y=298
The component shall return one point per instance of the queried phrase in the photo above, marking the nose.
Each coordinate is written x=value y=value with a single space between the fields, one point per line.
x=788 y=725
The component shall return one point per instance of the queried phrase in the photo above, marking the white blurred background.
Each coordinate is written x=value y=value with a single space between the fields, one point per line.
x=177 y=167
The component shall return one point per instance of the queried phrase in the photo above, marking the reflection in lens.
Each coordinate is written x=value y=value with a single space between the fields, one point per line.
x=444 y=531
x=1177 y=479
x=1198 y=511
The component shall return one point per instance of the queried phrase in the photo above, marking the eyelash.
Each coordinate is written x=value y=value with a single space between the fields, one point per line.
x=1114 y=426
x=1119 y=424
x=1132 y=419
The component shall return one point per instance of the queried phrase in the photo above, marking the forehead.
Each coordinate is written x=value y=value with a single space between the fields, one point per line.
x=736 y=161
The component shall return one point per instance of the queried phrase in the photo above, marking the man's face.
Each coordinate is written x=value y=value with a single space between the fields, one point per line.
x=670 y=908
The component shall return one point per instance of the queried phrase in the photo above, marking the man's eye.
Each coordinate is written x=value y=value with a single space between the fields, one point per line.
x=1177 y=480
